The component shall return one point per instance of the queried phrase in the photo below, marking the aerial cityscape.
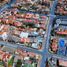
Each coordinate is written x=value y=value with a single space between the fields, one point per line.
x=33 y=33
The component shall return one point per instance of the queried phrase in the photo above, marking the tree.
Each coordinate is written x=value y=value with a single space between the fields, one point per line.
x=19 y=63
x=10 y=62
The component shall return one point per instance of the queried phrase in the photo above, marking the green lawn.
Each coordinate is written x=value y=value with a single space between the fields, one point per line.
x=30 y=65
x=1 y=64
